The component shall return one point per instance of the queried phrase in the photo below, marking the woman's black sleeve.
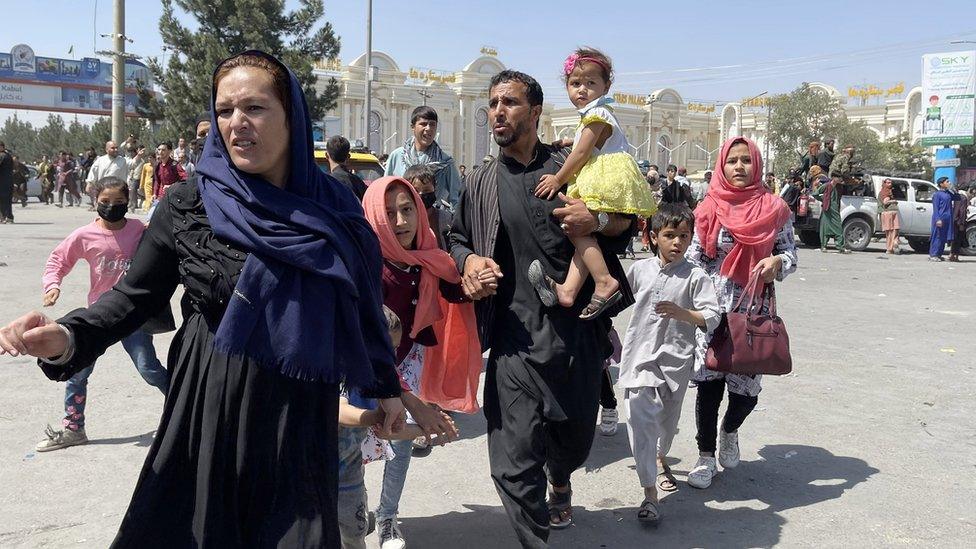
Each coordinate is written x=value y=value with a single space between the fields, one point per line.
x=143 y=292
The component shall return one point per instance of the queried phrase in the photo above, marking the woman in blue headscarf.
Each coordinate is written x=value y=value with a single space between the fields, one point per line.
x=283 y=301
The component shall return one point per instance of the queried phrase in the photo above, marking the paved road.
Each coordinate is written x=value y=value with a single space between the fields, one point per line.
x=869 y=443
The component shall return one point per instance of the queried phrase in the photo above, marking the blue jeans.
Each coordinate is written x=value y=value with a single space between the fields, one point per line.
x=353 y=519
x=394 y=477
x=139 y=345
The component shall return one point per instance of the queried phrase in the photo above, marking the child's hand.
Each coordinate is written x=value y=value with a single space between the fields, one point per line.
x=668 y=309
x=488 y=278
x=51 y=297
x=548 y=186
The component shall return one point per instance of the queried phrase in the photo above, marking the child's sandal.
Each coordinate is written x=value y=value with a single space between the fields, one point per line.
x=543 y=284
x=599 y=305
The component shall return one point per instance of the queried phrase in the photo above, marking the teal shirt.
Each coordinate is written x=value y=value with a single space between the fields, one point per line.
x=448 y=179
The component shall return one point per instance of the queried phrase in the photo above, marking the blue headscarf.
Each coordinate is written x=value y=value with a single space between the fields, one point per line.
x=308 y=301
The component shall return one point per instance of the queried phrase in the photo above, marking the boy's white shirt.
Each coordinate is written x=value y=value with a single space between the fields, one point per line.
x=656 y=350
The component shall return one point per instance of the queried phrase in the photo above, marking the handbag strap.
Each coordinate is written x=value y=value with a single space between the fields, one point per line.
x=750 y=291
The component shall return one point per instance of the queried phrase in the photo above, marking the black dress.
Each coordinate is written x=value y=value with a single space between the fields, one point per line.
x=244 y=456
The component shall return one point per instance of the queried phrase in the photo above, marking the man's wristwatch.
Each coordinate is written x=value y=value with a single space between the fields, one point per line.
x=602 y=220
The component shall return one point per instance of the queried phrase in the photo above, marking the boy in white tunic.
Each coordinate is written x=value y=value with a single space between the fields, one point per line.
x=674 y=299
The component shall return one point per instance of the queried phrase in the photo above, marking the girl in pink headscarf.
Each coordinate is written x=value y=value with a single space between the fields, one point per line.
x=740 y=229
x=420 y=282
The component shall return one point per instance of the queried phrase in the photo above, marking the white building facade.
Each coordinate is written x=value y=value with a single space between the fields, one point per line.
x=661 y=127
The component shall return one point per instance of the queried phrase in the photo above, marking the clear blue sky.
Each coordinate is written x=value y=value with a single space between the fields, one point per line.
x=707 y=50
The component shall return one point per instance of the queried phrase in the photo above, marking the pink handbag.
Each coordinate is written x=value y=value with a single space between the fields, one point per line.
x=751 y=343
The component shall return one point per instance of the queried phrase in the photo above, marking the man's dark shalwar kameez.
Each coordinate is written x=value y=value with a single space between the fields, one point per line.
x=543 y=377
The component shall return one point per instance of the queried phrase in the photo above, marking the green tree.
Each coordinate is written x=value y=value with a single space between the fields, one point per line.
x=20 y=138
x=79 y=137
x=967 y=156
x=218 y=28
x=798 y=117
x=53 y=137
x=900 y=154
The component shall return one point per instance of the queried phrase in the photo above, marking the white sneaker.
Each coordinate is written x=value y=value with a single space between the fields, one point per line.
x=728 y=449
x=390 y=536
x=701 y=476
x=61 y=439
x=608 y=422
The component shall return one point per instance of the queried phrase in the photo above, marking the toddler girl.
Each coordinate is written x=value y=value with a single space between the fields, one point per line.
x=607 y=180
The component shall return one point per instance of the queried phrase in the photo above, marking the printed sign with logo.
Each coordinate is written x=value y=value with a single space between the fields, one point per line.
x=948 y=98
x=23 y=57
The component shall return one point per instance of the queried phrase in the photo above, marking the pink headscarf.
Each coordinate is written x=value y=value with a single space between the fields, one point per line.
x=435 y=264
x=751 y=215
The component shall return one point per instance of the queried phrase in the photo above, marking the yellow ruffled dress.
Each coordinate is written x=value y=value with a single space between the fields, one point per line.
x=611 y=181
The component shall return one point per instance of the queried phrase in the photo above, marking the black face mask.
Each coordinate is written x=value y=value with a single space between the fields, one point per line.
x=112 y=212
x=429 y=199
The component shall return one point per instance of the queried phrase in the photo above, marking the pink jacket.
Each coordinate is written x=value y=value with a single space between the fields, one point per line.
x=108 y=254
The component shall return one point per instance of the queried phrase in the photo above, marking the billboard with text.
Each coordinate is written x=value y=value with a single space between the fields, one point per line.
x=948 y=98
x=82 y=86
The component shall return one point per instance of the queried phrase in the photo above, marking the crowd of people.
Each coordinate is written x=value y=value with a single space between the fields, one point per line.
x=146 y=173
x=328 y=323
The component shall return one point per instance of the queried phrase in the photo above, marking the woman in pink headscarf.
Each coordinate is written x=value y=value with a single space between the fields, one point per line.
x=740 y=228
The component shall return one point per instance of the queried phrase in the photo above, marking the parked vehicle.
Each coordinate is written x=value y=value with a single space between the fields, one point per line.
x=33 y=184
x=361 y=163
x=862 y=221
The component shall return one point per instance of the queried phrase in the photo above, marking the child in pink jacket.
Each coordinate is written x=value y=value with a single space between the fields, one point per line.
x=107 y=244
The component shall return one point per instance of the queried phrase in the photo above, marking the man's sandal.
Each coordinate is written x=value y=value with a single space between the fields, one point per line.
x=560 y=509
x=543 y=284
x=598 y=305
x=648 y=513
x=666 y=481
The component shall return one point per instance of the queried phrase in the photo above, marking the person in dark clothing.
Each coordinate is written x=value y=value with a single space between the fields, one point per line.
x=542 y=386
x=275 y=315
x=809 y=159
x=338 y=149
x=826 y=156
x=20 y=176
x=674 y=191
x=960 y=211
x=6 y=185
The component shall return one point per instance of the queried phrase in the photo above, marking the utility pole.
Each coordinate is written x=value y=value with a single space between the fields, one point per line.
x=118 y=75
x=368 y=74
x=426 y=95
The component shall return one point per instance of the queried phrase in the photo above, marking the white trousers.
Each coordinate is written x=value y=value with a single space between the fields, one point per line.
x=652 y=422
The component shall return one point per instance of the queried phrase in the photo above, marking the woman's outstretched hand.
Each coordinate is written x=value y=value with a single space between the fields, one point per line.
x=33 y=334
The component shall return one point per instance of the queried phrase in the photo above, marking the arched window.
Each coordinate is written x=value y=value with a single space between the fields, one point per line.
x=663 y=155
x=697 y=151
x=481 y=132
x=375 y=139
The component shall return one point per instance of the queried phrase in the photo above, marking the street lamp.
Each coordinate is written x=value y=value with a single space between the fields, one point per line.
x=708 y=154
x=387 y=140
x=639 y=147
x=671 y=150
x=651 y=99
